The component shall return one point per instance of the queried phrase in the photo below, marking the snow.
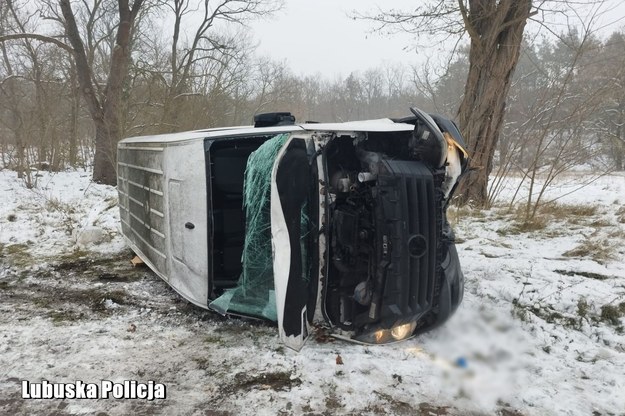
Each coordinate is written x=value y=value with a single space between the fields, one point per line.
x=50 y=217
x=529 y=337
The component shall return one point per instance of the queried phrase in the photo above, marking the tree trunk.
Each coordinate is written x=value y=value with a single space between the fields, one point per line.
x=75 y=109
x=104 y=162
x=171 y=110
x=618 y=148
x=496 y=31
x=104 y=110
x=21 y=164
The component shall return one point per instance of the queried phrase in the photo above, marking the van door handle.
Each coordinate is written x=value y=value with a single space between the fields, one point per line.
x=189 y=225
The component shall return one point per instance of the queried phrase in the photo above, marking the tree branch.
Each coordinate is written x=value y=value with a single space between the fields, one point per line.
x=42 y=38
x=83 y=69
x=467 y=23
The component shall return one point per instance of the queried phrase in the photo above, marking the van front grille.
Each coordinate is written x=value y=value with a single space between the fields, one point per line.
x=408 y=207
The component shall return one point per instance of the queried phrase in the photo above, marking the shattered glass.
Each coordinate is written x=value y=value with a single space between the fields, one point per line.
x=254 y=293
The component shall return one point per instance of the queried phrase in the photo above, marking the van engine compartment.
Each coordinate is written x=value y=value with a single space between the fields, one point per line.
x=385 y=224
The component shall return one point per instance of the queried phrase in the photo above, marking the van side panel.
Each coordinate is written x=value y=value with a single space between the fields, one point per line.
x=188 y=228
x=162 y=191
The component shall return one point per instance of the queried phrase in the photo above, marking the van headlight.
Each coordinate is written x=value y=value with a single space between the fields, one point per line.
x=384 y=336
x=403 y=331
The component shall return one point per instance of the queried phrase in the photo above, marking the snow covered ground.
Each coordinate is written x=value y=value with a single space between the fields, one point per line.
x=540 y=331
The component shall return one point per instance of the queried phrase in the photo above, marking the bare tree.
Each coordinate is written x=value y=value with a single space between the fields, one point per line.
x=31 y=94
x=495 y=29
x=496 y=33
x=104 y=106
x=612 y=115
x=552 y=124
x=205 y=43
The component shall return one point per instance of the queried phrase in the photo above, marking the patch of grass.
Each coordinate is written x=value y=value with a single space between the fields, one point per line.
x=213 y=339
x=506 y=231
x=43 y=302
x=617 y=234
x=16 y=254
x=600 y=250
x=94 y=299
x=549 y=213
x=598 y=223
x=611 y=314
x=113 y=269
x=332 y=401
x=456 y=213
x=15 y=249
x=65 y=316
x=55 y=204
x=546 y=313
x=566 y=211
x=620 y=215
x=78 y=259
x=203 y=363
x=97 y=299
x=549 y=315
x=278 y=381
x=502 y=212
x=521 y=224
x=533 y=224
x=589 y=275
x=66 y=210
x=433 y=410
x=582 y=307
x=519 y=311
x=508 y=412
x=398 y=407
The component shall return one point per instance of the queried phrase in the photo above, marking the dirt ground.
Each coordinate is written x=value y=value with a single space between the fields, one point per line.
x=94 y=318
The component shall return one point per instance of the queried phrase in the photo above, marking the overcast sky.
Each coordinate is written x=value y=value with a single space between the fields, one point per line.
x=318 y=36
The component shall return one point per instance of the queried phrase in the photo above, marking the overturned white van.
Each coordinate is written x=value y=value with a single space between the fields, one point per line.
x=342 y=224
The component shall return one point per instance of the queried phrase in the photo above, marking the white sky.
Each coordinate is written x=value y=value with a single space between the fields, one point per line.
x=318 y=36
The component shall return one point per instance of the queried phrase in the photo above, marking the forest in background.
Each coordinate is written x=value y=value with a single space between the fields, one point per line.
x=566 y=106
